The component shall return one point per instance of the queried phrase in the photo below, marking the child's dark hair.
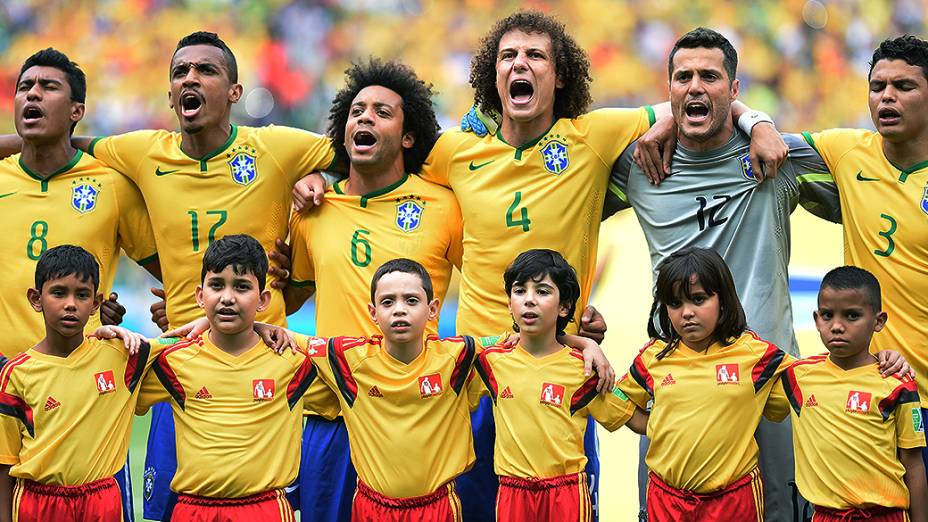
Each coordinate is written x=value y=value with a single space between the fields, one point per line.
x=534 y=265
x=240 y=251
x=911 y=49
x=406 y=266
x=854 y=278
x=62 y=261
x=673 y=282
x=207 y=38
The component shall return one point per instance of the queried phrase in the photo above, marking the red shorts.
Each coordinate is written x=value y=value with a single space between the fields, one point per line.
x=98 y=500
x=743 y=501
x=874 y=514
x=442 y=505
x=266 y=507
x=564 y=498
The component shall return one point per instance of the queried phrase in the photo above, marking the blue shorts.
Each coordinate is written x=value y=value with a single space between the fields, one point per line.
x=591 y=448
x=160 y=465
x=124 y=481
x=925 y=430
x=327 y=480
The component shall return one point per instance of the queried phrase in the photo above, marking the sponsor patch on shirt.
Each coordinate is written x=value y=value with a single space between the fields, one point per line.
x=857 y=402
x=263 y=389
x=726 y=374
x=105 y=381
x=430 y=385
x=552 y=394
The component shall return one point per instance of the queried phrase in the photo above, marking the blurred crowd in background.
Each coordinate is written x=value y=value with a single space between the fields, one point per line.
x=803 y=61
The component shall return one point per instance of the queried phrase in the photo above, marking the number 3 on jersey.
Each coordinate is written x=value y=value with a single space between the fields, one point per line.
x=523 y=219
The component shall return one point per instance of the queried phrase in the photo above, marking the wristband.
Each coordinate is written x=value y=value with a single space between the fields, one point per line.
x=748 y=120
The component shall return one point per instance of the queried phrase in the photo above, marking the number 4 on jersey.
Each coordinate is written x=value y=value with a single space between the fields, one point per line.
x=523 y=219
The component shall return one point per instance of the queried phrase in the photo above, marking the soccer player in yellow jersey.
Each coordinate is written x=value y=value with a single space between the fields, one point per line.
x=882 y=179
x=542 y=398
x=66 y=405
x=235 y=402
x=52 y=194
x=382 y=125
x=858 y=436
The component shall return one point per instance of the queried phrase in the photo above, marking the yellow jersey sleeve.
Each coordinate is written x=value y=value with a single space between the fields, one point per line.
x=438 y=163
x=150 y=393
x=455 y=229
x=302 y=271
x=910 y=421
x=832 y=144
x=637 y=384
x=777 y=407
x=297 y=152
x=610 y=131
x=123 y=152
x=319 y=399
x=612 y=410
x=135 y=232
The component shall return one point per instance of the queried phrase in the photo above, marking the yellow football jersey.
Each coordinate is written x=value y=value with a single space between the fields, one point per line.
x=349 y=237
x=238 y=418
x=847 y=425
x=408 y=424
x=885 y=214
x=66 y=420
x=85 y=204
x=709 y=403
x=243 y=187
x=547 y=193
x=541 y=406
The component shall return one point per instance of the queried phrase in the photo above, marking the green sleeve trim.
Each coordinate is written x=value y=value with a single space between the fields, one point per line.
x=815 y=177
x=810 y=141
x=302 y=284
x=93 y=143
x=146 y=260
x=652 y=118
x=617 y=192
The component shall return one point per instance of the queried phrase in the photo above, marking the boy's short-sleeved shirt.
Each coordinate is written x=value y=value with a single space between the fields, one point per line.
x=86 y=204
x=708 y=403
x=408 y=424
x=847 y=427
x=885 y=213
x=67 y=420
x=243 y=187
x=238 y=418
x=541 y=405
x=547 y=193
x=339 y=246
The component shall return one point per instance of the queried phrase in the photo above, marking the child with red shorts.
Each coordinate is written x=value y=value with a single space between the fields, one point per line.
x=542 y=398
x=66 y=404
x=858 y=436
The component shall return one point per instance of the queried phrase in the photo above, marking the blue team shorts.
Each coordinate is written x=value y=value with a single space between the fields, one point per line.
x=124 y=481
x=325 y=487
x=925 y=431
x=160 y=465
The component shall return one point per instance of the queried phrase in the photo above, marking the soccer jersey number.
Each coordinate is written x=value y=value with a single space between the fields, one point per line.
x=220 y=215
x=37 y=241
x=888 y=234
x=360 y=248
x=523 y=220
x=705 y=211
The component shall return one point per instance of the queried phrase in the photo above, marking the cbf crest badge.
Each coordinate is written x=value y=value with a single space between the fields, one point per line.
x=409 y=211
x=746 y=169
x=84 y=194
x=554 y=154
x=925 y=200
x=243 y=165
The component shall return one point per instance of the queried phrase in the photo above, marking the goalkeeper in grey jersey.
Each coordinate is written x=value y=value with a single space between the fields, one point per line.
x=713 y=199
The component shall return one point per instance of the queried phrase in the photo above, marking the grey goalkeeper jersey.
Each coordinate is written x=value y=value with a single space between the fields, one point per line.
x=711 y=200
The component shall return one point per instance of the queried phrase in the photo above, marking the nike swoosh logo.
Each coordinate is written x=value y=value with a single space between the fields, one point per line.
x=860 y=177
x=159 y=172
x=479 y=166
x=7 y=194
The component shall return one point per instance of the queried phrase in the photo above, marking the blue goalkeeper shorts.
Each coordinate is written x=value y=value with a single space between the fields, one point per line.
x=160 y=465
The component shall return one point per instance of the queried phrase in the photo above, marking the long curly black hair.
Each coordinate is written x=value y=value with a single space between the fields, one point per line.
x=418 y=113
x=570 y=61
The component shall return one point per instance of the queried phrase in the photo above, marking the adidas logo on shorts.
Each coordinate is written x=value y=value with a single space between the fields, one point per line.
x=811 y=402
x=507 y=394
x=51 y=403
x=375 y=392
x=203 y=394
x=668 y=380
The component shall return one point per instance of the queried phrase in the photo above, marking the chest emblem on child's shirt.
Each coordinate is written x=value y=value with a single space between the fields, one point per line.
x=105 y=382
x=726 y=374
x=668 y=380
x=262 y=389
x=811 y=402
x=552 y=394
x=507 y=394
x=430 y=385
x=51 y=403
x=857 y=402
x=316 y=347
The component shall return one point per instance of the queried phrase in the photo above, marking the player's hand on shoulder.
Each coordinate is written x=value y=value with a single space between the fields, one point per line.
x=159 y=309
x=309 y=192
x=276 y=338
x=593 y=359
x=280 y=264
x=111 y=311
x=593 y=324
x=480 y=122
x=893 y=363
x=133 y=341
x=768 y=151
x=654 y=150
x=191 y=330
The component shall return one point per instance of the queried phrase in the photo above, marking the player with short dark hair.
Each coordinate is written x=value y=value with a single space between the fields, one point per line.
x=84 y=387
x=858 y=436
